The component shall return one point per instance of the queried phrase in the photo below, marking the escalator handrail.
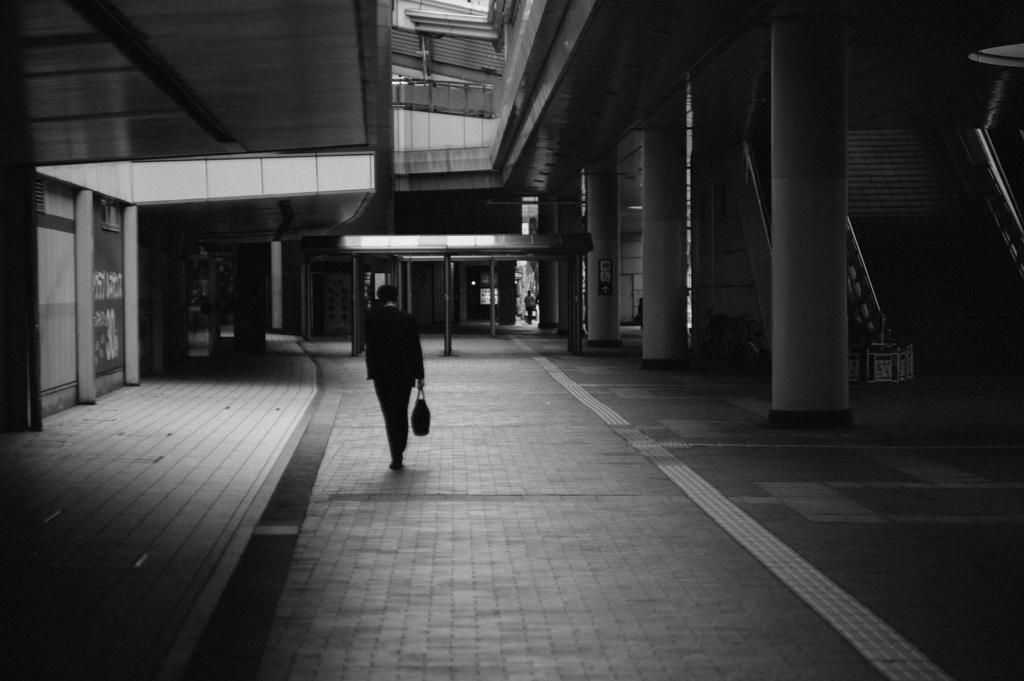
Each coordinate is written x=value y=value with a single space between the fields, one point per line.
x=996 y=169
x=872 y=297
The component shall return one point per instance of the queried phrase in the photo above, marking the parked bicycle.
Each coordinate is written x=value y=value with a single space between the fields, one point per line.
x=735 y=343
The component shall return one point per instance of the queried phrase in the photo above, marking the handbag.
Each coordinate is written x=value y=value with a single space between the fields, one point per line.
x=420 y=415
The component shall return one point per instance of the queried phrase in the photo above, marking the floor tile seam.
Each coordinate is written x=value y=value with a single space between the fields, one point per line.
x=781 y=560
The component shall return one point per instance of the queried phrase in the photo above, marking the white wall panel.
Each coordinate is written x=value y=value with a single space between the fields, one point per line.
x=59 y=199
x=447 y=132
x=289 y=175
x=56 y=307
x=474 y=132
x=109 y=179
x=344 y=173
x=169 y=181
x=419 y=131
x=424 y=131
x=234 y=178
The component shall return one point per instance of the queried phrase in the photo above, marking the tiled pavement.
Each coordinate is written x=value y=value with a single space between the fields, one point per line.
x=567 y=518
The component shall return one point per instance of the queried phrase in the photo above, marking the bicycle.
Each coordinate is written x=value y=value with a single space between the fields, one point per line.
x=757 y=355
x=735 y=342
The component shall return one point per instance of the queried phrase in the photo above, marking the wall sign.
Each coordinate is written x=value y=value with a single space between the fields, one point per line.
x=604 y=277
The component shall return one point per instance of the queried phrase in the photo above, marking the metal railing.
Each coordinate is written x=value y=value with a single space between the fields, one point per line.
x=861 y=297
x=461 y=99
x=977 y=161
x=1003 y=203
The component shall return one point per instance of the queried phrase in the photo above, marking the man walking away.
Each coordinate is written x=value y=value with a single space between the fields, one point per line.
x=394 y=361
x=531 y=306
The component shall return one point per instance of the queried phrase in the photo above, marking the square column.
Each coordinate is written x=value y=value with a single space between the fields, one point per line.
x=276 y=287
x=130 y=235
x=809 y=324
x=84 y=303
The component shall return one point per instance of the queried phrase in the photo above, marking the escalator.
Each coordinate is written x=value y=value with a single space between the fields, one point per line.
x=944 y=277
x=1004 y=163
x=866 y=321
x=946 y=264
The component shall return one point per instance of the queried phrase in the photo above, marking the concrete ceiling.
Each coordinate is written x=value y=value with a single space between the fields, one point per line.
x=132 y=79
x=908 y=68
x=257 y=219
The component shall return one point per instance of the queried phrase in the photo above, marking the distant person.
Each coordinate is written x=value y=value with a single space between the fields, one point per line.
x=394 y=361
x=530 y=303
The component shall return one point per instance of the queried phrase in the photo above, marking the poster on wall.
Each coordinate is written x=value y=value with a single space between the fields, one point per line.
x=108 y=295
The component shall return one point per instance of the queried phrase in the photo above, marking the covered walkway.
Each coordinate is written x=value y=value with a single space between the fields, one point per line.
x=567 y=518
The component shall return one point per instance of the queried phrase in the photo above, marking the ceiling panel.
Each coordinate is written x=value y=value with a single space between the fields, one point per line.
x=275 y=74
x=256 y=219
x=908 y=68
x=632 y=57
x=215 y=76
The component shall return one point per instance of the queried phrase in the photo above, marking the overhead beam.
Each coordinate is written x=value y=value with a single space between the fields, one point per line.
x=109 y=21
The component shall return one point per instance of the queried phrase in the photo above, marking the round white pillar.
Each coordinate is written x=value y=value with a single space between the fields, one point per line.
x=665 y=343
x=547 y=285
x=603 y=261
x=809 y=324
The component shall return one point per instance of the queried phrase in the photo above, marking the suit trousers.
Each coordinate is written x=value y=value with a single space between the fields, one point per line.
x=394 y=403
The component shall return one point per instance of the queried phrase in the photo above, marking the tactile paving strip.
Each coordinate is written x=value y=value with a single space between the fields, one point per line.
x=886 y=650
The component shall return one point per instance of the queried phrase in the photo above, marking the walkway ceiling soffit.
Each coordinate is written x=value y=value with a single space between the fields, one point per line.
x=909 y=67
x=610 y=64
x=134 y=79
x=256 y=219
x=500 y=246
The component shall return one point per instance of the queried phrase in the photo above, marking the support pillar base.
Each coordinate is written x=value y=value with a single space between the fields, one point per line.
x=842 y=418
x=665 y=364
x=547 y=325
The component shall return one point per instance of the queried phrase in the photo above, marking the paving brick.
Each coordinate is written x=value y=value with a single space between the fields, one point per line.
x=526 y=539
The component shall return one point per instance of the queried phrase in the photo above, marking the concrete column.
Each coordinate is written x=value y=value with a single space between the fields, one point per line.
x=603 y=261
x=84 y=302
x=664 y=249
x=162 y=300
x=20 y=358
x=130 y=239
x=494 y=300
x=304 y=288
x=570 y=221
x=547 y=285
x=448 y=305
x=276 y=287
x=809 y=324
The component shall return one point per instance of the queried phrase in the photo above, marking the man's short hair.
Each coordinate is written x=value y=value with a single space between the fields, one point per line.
x=387 y=294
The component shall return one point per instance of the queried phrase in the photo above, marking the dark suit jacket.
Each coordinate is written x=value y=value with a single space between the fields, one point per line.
x=393 y=350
